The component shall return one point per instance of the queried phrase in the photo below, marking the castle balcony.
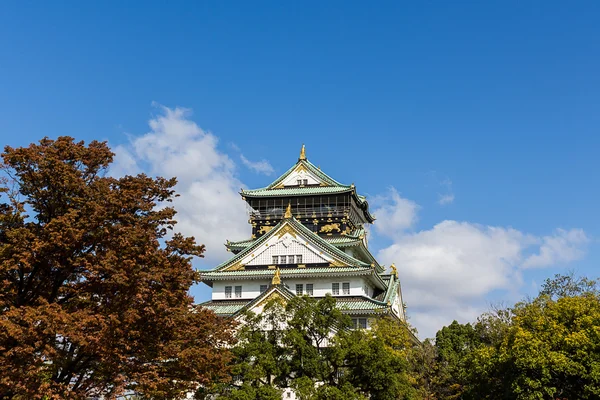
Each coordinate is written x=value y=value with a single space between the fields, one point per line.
x=277 y=213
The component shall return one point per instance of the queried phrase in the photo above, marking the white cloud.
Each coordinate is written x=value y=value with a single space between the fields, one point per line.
x=563 y=247
x=445 y=199
x=394 y=213
x=448 y=271
x=209 y=206
x=260 y=167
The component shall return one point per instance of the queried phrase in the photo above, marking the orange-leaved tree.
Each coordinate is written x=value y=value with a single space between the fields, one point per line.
x=93 y=286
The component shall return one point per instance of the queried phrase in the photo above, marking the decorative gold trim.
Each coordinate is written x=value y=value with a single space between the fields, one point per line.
x=275 y=296
x=330 y=228
x=288 y=211
x=265 y=229
x=394 y=270
x=276 y=278
x=301 y=265
x=286 y=229
x=303 y=152
x=300 y=168
x=238 y=266
x=271 y=267
x=336 y=263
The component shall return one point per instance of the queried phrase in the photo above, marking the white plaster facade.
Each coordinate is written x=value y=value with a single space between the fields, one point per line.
x=321 y=287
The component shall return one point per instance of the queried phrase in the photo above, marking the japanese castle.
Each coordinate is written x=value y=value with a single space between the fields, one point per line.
x=308 y=238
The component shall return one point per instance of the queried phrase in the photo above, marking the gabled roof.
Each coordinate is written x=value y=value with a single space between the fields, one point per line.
x=279 y=289
x=292 y=225
x=354 y=238
x=327 y=185
x=276 y=188
x=310 y=167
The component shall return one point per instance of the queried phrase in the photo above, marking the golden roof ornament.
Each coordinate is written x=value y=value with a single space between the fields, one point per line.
x=303 y=153
x=288 y=211
x=276 y=278
x=394 y=270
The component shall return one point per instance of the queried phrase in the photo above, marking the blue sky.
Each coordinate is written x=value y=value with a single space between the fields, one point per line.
x=494 y=105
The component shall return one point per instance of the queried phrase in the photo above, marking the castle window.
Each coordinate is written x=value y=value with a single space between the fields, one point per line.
x=309 y=289
x=299 y=259
x=359 y=323
x=263 y=288
x=238 y=292
x=282 y=260
x=275 y=260
x=299 y=290
x=346 y=288
x=335 y=288
x=305 y=182
x=299 y=182
x=290 y=259
x=227 y=292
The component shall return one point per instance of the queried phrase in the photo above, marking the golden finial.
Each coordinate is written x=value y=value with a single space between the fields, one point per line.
x=303 y=153
x=276 y=278
x=288 y=211
x=394 y=270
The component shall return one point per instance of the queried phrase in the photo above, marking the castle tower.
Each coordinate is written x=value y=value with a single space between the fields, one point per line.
x=308 y=238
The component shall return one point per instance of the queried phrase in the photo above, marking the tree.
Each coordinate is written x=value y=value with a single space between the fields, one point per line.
x=424 y=369
x=549 y=350
x=93 y=292
x=377 y=361
x=307 y=344
x=453 y=344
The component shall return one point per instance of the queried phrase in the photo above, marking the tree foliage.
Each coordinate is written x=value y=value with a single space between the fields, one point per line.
x=544 y=348
x=551 y=349
x=93 y=293
x=306 y=344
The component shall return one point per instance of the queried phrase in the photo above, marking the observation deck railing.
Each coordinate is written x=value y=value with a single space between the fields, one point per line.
x=302 y=212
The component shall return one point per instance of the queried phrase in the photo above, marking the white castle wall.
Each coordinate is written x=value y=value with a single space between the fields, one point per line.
x=321 y=286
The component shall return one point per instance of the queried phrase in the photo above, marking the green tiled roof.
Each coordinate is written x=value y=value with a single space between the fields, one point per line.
x=285 y=272
x=392 y=290
x=342 y=241
x=360 y=304
x=297 y=191
x=224 y=307
x=348 y=305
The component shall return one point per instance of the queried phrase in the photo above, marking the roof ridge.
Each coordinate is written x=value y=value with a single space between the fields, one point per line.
x=312 y=168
